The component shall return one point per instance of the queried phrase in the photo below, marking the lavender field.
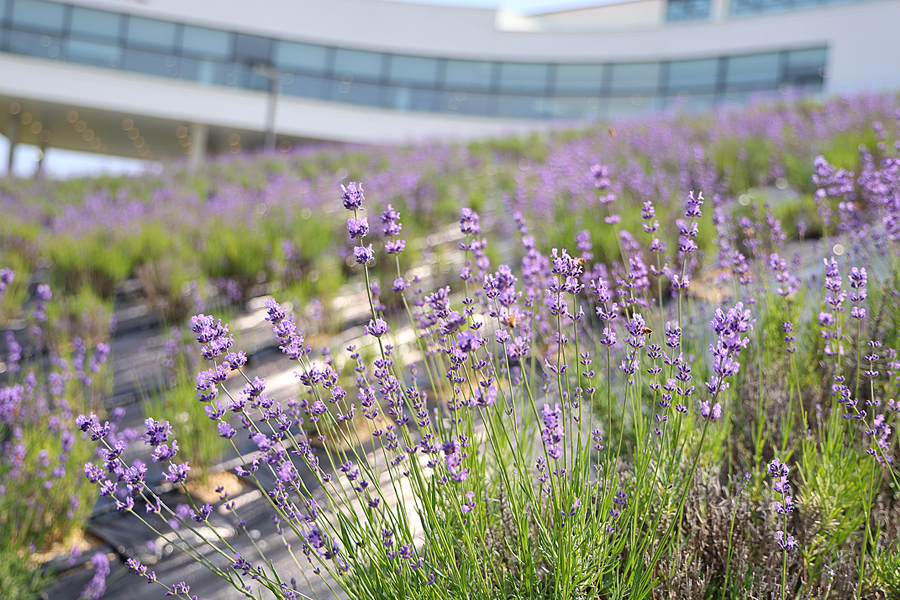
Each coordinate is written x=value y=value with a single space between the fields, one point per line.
x=655 y=358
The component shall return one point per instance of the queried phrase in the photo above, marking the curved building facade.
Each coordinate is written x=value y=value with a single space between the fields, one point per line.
x=157 y=77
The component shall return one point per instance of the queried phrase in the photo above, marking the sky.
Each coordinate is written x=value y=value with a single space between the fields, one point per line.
x=64 y=163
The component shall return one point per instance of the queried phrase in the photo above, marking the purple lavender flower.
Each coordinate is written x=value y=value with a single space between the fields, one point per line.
x=673 y=335
x=180 y=588
x=292 y=341
x=164 y=452
x=157 y=433
x=93 y=472
x=6 y=277
x=390 y=222
x=858 y=280
x=469 y=222
x=692 y=207
x=377 y=328
x=395 y=246
x=90 y=424
x=779 y=472
x=600 y=174
x=226 y=431
x=785 y=542
x=358 y=229
x=552 y=432
x=212 y=334
x=96 y=587
x=728 y=327
x=177 y=472
x=352 y=196
x=234 y=360
x=364 y=255
x=469 y=505
x=44 y=295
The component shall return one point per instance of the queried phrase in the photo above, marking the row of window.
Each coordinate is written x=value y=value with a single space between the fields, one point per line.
x=528 y=90
x=691 y=10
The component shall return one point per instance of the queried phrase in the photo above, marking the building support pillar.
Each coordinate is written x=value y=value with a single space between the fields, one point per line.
x=199 y=142
x=718 y=10
x=13 y=143
x=39 y=169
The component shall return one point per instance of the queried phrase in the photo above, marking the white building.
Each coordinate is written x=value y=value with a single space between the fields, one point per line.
x=147 y=78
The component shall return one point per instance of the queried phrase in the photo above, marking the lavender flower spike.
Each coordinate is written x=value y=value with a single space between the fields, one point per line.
x=377 y=327
x=352 y=196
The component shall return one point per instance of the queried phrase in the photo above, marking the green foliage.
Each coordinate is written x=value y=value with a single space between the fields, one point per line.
x=176 y=402
x=518 y=496
x=18 y=577
x=885 y=572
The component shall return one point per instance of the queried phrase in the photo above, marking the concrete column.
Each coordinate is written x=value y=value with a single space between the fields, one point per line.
x=14 y=127
x=718 y=10
x=199 y=141
x=39 y=169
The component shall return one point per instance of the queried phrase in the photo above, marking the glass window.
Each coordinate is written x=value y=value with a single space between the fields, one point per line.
x=692 y=75
x=354 y=65
x=577 y=108
x=303 y=85
x=93 y=53
x=630 y=105
x=251 y=50
x=635 y=77
x=40 y=45
x=301 y=57
x=805 y=66
x=405 y=98
x=743 y=7
x=810 y=60
x=251 y=78
x=746 y=7
x=755 y=71
x=3 y=5
x=89 y=23
x=201 y=41
x=691 y=102
x=523 y=77
x=150 y=33
x=522 y=107
x=413 y=70
x=152 y=63
x=776 y=5
x=358 y=93
x=687 y=10
x=466 y=103
x=204 y=71
x=468 y=75
x=42 y=16
x=578 y=78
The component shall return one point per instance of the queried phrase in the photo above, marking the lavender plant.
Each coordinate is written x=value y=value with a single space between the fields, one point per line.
x=44 y=502
x=159 y=227
x=491 y=472
x=566 y=424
